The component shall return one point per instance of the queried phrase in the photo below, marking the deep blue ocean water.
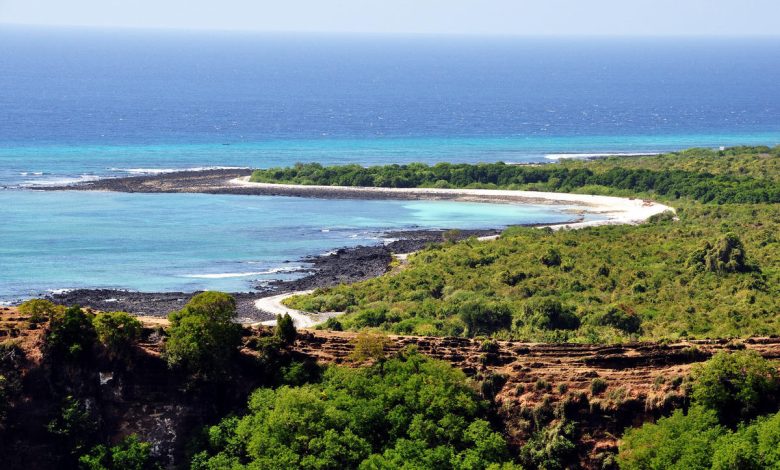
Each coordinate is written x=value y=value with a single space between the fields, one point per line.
x=80 y=104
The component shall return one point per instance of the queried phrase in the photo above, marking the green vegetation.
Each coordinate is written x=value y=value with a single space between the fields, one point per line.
x=71 y=335
x=117 y=331
x=613 y=283
x=40 y=310
x=129 y=454
x=668 y=176
x=203 y=336
x=738 y=386
x=285 y=329
x=716 y=433
x=408 y=412
x=713 y=273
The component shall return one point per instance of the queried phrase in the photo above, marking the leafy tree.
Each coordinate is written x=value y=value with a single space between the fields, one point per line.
x=678 y=442
x=413 y=412
x=76 y=425
x=726 y=256
x=368 y=346
x=203 y=336
x=71 y=335
x=550 y=448
x=285 y=329
x=129 y=454
x=737 y=386
x=40 y=310
x=550 y=314
x=482 y=316
x=117 y=331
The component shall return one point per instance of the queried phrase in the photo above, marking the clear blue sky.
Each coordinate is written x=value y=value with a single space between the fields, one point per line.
x=516 y=17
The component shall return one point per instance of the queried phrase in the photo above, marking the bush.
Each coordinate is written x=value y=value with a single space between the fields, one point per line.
x=597 y=386
x=550 y=448
x=619 y=318
x=408 y=412
x=368 y=346
x=484 y=317
x=203 y=337
x=550 y=314
x=737 y=386
x=71 y=335
x=726 y=256
x=40 y=310
x=551 y=258
x=117 y=331
x=129 y=454
x=679 y=441
x=285 y=329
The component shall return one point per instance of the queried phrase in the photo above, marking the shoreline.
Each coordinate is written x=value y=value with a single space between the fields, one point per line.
x=616 y=210
x=345 y=265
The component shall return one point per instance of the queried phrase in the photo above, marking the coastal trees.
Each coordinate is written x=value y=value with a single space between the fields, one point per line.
x=203 y=336
x=667 y=175
x=408 y=412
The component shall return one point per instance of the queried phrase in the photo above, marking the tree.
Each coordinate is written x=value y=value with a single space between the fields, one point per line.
x=726 y=256
x=117 y=331
x=737 y=386
x=678 y=442
x=203 y=336
x=368 y=346
x=40 y=310
x=129 y=454
x=285 y=329
x=550 y=314
x=71 y=335
x=409 y=412
x=484 y=317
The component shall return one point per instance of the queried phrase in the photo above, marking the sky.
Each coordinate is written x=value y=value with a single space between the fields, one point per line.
x=493 y=17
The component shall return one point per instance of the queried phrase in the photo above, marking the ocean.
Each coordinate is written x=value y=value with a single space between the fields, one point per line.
x=79 y=104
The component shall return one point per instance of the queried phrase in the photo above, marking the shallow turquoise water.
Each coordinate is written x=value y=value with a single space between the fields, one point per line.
x=172 y=242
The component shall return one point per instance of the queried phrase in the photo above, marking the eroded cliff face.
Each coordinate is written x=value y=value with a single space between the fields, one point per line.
x=602 y=388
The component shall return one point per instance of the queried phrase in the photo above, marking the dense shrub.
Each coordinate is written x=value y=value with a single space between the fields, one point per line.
x=408 y=412
x=285 y=329
x=117 y=331
x=483 y=316
x=737 y=386
x=203 y=337
x=666 y=175
x=549 y=314
x=40 y=310
x=71 y=335
x=129 y=454
x=728 y=391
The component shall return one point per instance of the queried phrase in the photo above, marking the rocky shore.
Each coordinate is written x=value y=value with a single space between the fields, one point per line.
x=345 y=265
x=220 y=181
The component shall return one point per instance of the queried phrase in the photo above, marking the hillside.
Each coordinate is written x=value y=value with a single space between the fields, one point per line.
x=715 y=272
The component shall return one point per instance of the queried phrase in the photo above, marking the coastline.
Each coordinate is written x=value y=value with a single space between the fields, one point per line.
x=615 y=210
x=343 y=265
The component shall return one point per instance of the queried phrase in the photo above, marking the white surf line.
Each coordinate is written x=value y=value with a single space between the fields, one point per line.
x=615 y=211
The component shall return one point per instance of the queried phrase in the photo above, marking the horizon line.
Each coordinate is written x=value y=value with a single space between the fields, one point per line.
x=177 y=29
